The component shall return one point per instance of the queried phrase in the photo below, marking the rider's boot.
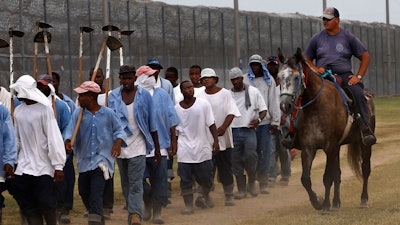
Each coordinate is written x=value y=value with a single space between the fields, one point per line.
x=368 y=137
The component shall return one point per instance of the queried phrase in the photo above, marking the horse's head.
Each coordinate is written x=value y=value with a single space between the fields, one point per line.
x=292 y=83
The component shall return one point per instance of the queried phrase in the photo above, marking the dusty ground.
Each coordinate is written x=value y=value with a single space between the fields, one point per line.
x=278 y=199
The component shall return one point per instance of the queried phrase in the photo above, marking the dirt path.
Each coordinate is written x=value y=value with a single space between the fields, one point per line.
x=279 y=197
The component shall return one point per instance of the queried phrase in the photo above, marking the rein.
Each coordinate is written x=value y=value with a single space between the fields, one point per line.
x=306 y=72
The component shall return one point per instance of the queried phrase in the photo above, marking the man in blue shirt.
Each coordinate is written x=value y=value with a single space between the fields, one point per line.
x=156 y=192
x=8 y=151
x=98 y=143
x=134 y=107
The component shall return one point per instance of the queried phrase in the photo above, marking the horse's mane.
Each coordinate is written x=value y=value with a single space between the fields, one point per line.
x=296 y=59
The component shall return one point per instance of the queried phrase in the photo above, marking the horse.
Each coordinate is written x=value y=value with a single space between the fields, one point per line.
x=323 y=122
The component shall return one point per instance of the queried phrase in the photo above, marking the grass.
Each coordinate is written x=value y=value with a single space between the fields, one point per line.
x=383 y=185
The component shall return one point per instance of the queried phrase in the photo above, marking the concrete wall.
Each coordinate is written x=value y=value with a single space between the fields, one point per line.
x=179 y=36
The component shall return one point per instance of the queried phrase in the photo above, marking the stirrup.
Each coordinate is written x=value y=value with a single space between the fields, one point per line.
x=288 y=142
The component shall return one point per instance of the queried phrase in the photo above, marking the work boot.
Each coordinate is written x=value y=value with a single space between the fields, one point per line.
x=368 y=137
x=252 y=184
x=208 y=200
x=284 y=181
x=147 y=208
x=241 y=185
x=94 y=219
x=135 y=219
x=157 y=213
x=107 y=213
x=36 y=219
x=51 y=218
x=229 y=200
x=201 y=202
x=263 y=189
x=188 y=199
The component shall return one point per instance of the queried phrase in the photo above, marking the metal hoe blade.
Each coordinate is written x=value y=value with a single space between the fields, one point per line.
x=127 y=32
x=3 y=44
x=15 y=33
x=113 y=43
x=86 y=29
x=110 y=28
x=39 y=37
x=43 y=25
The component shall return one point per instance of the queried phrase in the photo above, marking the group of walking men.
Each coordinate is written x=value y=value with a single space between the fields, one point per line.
x=146 y=121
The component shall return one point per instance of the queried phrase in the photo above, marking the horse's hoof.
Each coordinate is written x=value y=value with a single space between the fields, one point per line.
x=364 y=204
x=325 y=212
x=335 y=208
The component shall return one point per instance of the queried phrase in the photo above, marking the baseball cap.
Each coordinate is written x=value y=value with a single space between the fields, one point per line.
x=330 y=13
x=45 y=79
x=235 y=72
x=273 y=59
x=127 y=69
x=146 y=70
x=154 y=61
x=88 y=86
x=208 y=72
x=255 y=59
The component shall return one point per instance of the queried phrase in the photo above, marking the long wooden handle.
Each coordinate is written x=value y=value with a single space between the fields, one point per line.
x=80 y=58
x=78 y=122
x=35 y=58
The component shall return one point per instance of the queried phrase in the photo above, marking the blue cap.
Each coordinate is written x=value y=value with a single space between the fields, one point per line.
x=154 y=62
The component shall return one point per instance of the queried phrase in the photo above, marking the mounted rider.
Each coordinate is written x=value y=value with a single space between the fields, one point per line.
x=333 y=47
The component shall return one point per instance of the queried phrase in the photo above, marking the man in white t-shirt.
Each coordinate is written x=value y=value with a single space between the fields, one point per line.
x=244 y=155
x=224 y=110
x=195 y=147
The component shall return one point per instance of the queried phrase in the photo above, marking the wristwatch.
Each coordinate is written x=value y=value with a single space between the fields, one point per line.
x=359 y=77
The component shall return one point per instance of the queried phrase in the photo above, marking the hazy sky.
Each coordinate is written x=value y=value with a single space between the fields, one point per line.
x=362 y=10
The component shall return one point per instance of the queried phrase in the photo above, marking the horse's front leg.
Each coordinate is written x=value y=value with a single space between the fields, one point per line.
x=331 y=172
x=307 y=157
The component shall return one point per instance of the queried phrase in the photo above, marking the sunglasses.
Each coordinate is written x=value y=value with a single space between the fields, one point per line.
x=326 y=19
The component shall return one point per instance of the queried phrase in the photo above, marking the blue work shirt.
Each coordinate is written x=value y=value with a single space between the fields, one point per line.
x=143 y=113
x=95 y=138
x=165 y=116
x=70 y=102
x=8 y=149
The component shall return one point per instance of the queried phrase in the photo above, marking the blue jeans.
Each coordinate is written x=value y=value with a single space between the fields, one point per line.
x=201 y=172
x=358 y=96
x=277 y=150
x=263 y=152
x=244 y=154
x=65 y=190
x=157 y=187
x=91 y=188
x=131 y=172
x=35 y=195
x=223 y=163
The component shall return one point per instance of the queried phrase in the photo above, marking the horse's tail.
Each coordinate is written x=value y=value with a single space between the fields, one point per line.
x=354 y=157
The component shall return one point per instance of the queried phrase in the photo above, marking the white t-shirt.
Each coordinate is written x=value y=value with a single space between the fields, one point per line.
x=257 y=105
x=179 y=95
x=222 y=105
x=194 y=143
x=136 y=143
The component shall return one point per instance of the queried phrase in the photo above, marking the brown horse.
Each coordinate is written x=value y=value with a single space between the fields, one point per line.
x=323 y=122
